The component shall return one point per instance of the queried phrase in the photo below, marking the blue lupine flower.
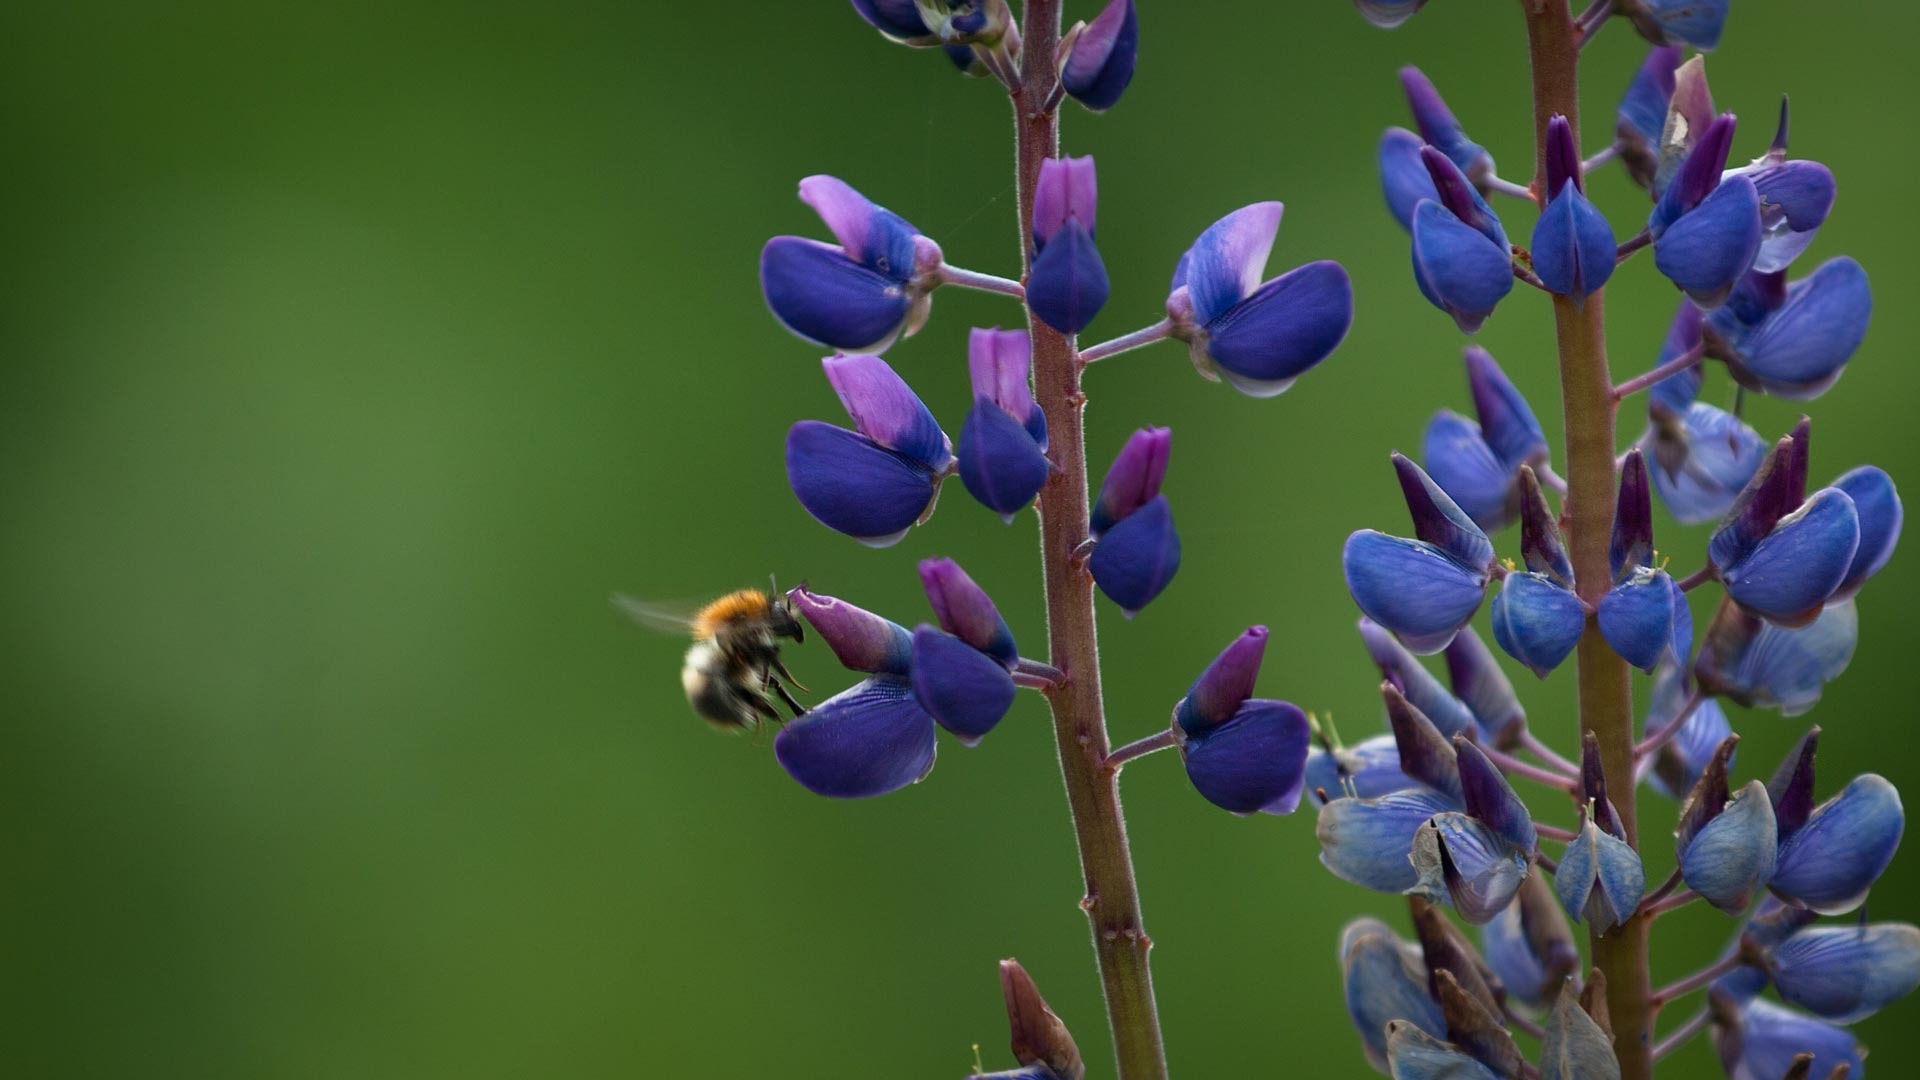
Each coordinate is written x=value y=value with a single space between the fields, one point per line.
x=1257 y=336
x=1758 y=1040
x=1677 y=22
x=1427 y=588
x=1829 y=862
x=1600 y=880
x=1002 y=452
x=1388 y=14
x=1412 y=1054
x=1644 y=617
x=1781 y=557
x=1642 y=116
x=1573 y=248
x=1706 y=230
x=1795 y=198
x=1440 y=130
x=1877 y=503
x=1136 y=551
x=1730 y=856
x=1478 y=465
x=961 y=672
x=1461 y=861
x=1243 y=754
x=1097 y=57
x=1040 y=1042
x=1450 y=715
x=1404 y=179
x=1676 y=768
x=1366 y=841
x=1702 y=456
x=1760 y=665
x=959 y=23
x=1067 y=284
x=863 y=293
x=859 y=639
x=1461 y=259
x=899 y=20
x=879 y=480
x=1477 y=680
x=1793 y=341
x=870 y=739
x=1847 y=973
x=1537 y=617
x=1529 y=945
x=1383 y=980
x=1368 y=768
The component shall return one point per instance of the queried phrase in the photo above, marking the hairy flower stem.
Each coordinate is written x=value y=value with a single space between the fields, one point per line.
x=1586 y=391
x=1112 y=901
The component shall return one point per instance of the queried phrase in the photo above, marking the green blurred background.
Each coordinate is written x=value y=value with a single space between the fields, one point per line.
x=353 y=354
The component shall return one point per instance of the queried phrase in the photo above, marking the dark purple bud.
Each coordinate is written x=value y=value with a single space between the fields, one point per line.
x=1540 y=546
x=1593 y=786
x=1632 y=543
x=1448 y=714
x=860 y=640
x=1709 y=795
x=1600 y=880
x=1791 y=789
x=1384 y=981
x=964 y=610
x=1366 y=841
x=1847 y=973
x=1643 y=113
x=1138 y=557
x=1697 y=177
x=1563 y=157
x=1437 y=520
x=1462 y=861
x=1478 y=681
x=868 y=740
x=1404 y=179
x=1678 y=22
x=1491 y=800
x=1226 y=684
x=1796 y=343
x=1038 y=1036
x=1878 y=505
x=1460 y=198
x=1777 y=489
x=1573 y=248
x=963 y=689
x=1830 y=862
x=1133 y=480
x=1425 y=755
x=1760 y=665
x=1439 y=128
x=1067 y=284
x=1097 y=58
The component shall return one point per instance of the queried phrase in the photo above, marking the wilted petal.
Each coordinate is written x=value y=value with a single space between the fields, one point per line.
x=1134 y=480
x=1285 y=327
x=1529 y=945
x=1732 y=857
x=1707 y=250
x=1412 y=1054
x=1099 y=65
x=1643 y=113
x=1425 y=755
x=823 y=296
x=962 y=688
x=870 y=739
x=1138 y=557
x=1460 y=861
x=1253 y=762
x=855 y=486
x=1383 y=980
x=1761 y=665
x=1574 y=1047
x=1829 y=863
x=1536 y=621
x=1366 y=841
x=1702 y=459
x=1227 y=683
x=860 y=640
x=1847 y=973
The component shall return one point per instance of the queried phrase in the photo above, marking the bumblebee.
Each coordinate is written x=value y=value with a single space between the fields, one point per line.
x=734 y=663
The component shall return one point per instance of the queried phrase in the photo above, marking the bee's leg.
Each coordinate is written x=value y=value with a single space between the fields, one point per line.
x=762 y=706
x=788 y=675
x=774 y=685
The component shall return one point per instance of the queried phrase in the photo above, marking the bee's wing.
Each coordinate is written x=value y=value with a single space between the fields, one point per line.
x=664 y=618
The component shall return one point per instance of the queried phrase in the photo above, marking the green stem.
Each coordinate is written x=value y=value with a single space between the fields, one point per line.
x=1586 y=390
x=1112 y=901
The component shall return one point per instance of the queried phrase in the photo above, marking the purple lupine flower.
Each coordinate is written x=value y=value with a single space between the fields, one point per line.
x=1450 y=715
x=1706 y=230
x=899 y=20
x=1758 y=1040
x=1793 y=341
x=1384 y=979
x=1440 y=130
x=1781 y=553
x=1795 y=199
x=963 y=22
x=1644 y=617
x=1677 y=22
x=1388 y=14
x=1760 y=665
x=1365 y=770
x=1477 y=680
x=1257 y=336
x=1846 y=973
x=1702 y=455
x=1243 y=754
x=1831 y=854
x=1424 y=589
x=879 y=480
x=859 y=639
x=1136 y=550
x=1676 y=768
x=1529 y=945
x=962 y=671
x=1573 y=248
x=1727 y=845
x=1404 y=179
x=1537 y=618
x=1412 y=1054
x=859 y=295
x=1600 y=880
x=1642 y=116
x=1040 y=1042
x=1067 y=283
x=1002 y=451
x=1478 y=465
x=870 y=739
x=1877 y=503
x=1367 y=841
x=1096 y=58
x=1461 y=260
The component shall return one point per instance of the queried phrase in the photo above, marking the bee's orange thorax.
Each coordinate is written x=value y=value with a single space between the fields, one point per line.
x=733 y=607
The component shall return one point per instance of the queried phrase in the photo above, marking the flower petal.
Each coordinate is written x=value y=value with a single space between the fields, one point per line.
x=1847 y=973
x=1458 y=270
x=1448 y=714
x=874 y=237
x=1138 y=557
x=1411 y=587
x=964 y=610
x=1365 y=842
x=860 y=640
x=999 y=463
x=1384 y=980
x=1227 y=683
x=1573 y=248
x=1067 y=285
x=853 y=485
x=962 y=688
x=1878 y=505
x=1224 y=265
x=1536 y=621
x=868 y=740
x=1829 y=863
x=1284 y=329
x=820 y=294
x=886 y=410
x=1253 y=762
x=1100 y=65
x=1760 y=665
x=1460 y=461
x=1801 y=349
x=1134 y=478
x=1789 y=574
x=1707 y=250
x=1403 y=176
x=1732 y=857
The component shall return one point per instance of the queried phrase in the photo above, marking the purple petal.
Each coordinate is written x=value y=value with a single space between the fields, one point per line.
x=1226 y=684
x=1437 y=123
x=1795 y=198
x=821 y=295
x=998 y=362
x=1847 y=973
x=1831 y=862
x=1676 y=392
x=1703 y=459
x=1573 y=248
x=860 y=640
x=868 y=740
x=885 y=409
x=999 y=463
x=1505 y=417
x=963 y=689
x=1540 y=545
x=1732 y=857
x=1285 y=328
x=1253 y=762
x=1137 y=557
x=1764 y=1040
x=1100 y=65
x=897 y=19
x=1697 y=176
x=1680 y=762
x=1460 y=197
x=1458 y=860
x=1632 y=542
x=1679 y=22
x=964 y=610
x=1486 y=795
x=1134 y=479
x=1760 y=665
x=853 y=485
x=1643 y=112
x=1067 y=285
x=1438 y=520
x=1645 y=619
x=1224 y=265
x=1563 y=156
x=1800 y=350
x=1068 y=190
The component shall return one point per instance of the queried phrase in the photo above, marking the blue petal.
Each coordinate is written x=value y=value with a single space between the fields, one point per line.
x=1795 y=197
x=885 y=409
x=1412 y=1054
x=1680 y=22
x=1365 y=842
x=1223 y=267
x=1645 y=618
x=1067 y=285
x=1464 y=466
x=1477 y=680
x=1878 y=505
x=1600 y=880
x=873 y=236
x=1573 y=249
x=1536 y=621
x=1253 y=762
x=899 y=19
x=999 y=463
x=825 y=297
x=1800 y=350
x=1847 y=973
x=1732 y=858
x=1506 y=420
x=1412 y=588
x=1773 y=1036
x=1457 y=268
x=1137 y=557
x=1384 y=980
x=1365 y=770
x=1100 y=66
x=1678 y=765
x=1792 y=571
x=853 y=485
x=867 y=740
x=1643 y=110
x=1403 y=177
x=1762 y=665
x=1708 y=249
x=1286 y=327
x=1830 y=862
x=1717 y=454
x=963 y=689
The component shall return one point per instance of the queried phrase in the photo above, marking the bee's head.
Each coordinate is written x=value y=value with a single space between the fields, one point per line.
x=781 y=620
